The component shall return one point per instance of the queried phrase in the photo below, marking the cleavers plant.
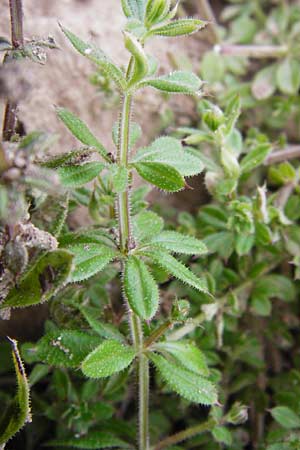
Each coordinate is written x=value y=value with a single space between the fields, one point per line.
x=132 y=239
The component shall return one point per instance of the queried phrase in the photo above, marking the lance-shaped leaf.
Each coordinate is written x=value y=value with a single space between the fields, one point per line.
x=180 y=27
x=146 y=224
x=168 y=150
x=189 y=385
x=75 y=176
x=120 y=176
x=161 y=175
x=255 y=157
x=140 y=288
x=286 y=417
x=178 y=82
x=41 y=281
x=95 y=440
x=140 y=64
x=90 y=259
x=179 y=243
x=106 y=330
x=98 y=57
x=80 y=130
x=110 y=357
x=18 y=412
x=87 y=236
x=177 y=269
x=186 y=354
x=65 y=348
x=288 y=76
x=134 y=8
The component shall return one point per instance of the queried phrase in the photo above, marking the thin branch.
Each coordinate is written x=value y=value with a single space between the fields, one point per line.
x=290 y=152
x=186 y=434
x=17 y=39
x=252 y=51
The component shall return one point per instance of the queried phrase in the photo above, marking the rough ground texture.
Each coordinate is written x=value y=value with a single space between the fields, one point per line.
x=64 y=81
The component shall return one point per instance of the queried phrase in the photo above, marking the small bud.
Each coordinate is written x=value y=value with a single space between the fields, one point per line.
x=237 y=415
x=180 y=310
x=213 y=118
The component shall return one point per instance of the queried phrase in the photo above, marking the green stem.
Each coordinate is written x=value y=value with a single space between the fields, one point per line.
x=125 y=239
x=186 y=434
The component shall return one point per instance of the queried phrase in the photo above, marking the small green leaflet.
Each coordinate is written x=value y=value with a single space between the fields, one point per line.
x=161 y=175
x=41 y=282
x=180 y=27
x=90 y=259
x=186 y=354
x=222 y=435
x=264 y=84
x=192 y=387
x=168 y=150
x=87 y=236
x=17 y=414
x=107 y=359
x=75 y=176
x=146 y=225
x=177 y=269
x=65 y=348
x=157 y=11
x=141 y=64
x=286 y=417
x=179 y=243
x=134 y=8
x=106 y=330
x=95 y=440
x=178 y=82
x=255 y=157
x=140 y=288
x=79 y=129
x=98 y=57
x=288 y=76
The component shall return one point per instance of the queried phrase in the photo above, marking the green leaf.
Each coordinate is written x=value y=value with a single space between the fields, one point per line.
x=146 y=225
x=286 y=417
x=275 y=285
x=186 y=354
x=222 y=435
x=95 y=440
x=261 y=305
x=212 y=67
x=180 y=27
x=65 y=348
x=157 y=11
x=140 y=66
x=192 y=387
x=90 y=259
x=161 y=175
x=288 y=76
x=168 y=150
x=178 y=82
x=255 y=157
x=18 y=413
x=110 y=357
x=41 y=281
x=264 y=84
x=86 y=236
x=177 y=269
x=179 y=243
x=75 y=176
x=106 y=330
x=99 y=58
x=134 y=8
x=81 y=131
x=140 y=288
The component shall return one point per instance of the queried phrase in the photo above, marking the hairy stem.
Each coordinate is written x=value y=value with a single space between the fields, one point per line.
x=186 y=434
x=125 y=241
x=253 y=51
x=17 y=39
